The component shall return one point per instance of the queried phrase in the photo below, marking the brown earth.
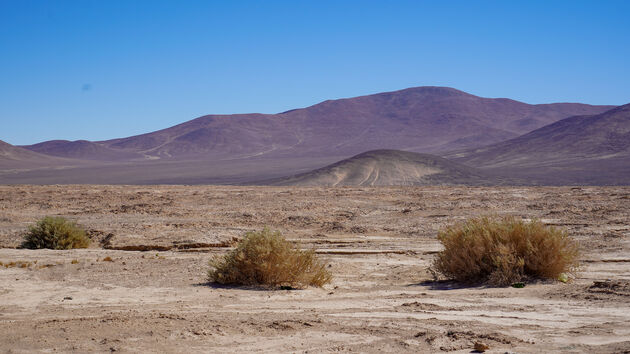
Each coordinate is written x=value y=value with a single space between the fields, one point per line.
x=379 y=243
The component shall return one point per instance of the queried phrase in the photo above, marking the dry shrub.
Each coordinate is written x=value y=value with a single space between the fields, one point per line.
x=19 y=264
x=266 y=258
x=108 y=259
x=56 y=233
x=504 y=251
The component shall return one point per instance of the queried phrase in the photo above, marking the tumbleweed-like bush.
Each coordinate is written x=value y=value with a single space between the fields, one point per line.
x=504 y=251
x=266 y=258
x=56 y=233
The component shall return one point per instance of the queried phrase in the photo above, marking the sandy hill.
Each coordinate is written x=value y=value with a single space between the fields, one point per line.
x=389 y=168
x=591 y=149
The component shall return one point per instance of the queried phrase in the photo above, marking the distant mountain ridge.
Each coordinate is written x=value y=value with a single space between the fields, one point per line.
x=605 y=135
x=10 y=152
x=591 y=149
x=13 y=157
x=504 y=140
x=421 y=119
x=82 y=149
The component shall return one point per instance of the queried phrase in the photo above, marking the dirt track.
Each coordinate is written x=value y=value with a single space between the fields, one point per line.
x=378 y=242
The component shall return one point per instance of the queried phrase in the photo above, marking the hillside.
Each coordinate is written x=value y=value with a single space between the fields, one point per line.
x=590 y=149
x=389 y=168
x=17 y=158
x=82 y=149
x=241 y=148
x=421 y=119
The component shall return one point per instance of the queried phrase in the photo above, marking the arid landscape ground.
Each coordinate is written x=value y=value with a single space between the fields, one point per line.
x=153 y=295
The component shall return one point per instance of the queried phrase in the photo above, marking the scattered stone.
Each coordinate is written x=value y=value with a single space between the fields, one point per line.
x=481 y=347
x=563 y=277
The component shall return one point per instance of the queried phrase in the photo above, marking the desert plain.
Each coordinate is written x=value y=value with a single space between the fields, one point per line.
x=142 y=284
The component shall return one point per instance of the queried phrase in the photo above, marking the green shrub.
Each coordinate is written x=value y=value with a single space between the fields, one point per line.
x=266 y=258
x=504 y=251
x=56 y=233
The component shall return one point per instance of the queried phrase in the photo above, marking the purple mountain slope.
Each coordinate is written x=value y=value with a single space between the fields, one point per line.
x=590 y=149
x=422 y=119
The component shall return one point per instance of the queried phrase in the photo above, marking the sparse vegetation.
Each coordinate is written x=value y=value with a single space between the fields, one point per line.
x=267 y=258
x=504 y=251
x=18 y=264
x=56 y=233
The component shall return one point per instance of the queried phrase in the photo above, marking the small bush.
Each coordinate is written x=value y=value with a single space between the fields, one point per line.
x=266 y=258
x=108 y=259
x=19 y=264
x=504 y=251
x=55 y=233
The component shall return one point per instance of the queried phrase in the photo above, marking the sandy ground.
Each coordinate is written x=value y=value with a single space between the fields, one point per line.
x=379 y=243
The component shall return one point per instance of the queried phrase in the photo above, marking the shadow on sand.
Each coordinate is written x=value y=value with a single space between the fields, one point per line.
x=242 y=287
x=447 y=285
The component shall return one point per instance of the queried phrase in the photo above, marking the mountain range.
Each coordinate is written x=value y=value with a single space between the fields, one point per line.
x=505 y=140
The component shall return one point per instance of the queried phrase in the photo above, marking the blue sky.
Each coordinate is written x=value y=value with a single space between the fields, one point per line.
x=106 y=69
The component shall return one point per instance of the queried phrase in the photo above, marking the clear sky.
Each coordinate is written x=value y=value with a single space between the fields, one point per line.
x=106 y=69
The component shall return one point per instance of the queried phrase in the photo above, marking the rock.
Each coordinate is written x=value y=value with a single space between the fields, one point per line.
x=563 y=277
x=481 y=347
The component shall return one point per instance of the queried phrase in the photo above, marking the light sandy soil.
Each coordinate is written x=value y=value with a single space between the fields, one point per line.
x=379 y=243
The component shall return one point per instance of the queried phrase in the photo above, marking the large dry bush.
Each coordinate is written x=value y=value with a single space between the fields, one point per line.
x=504 y=251
x=56 y=233
x=266 y=258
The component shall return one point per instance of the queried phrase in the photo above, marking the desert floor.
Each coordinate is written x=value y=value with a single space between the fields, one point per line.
x=154 y=297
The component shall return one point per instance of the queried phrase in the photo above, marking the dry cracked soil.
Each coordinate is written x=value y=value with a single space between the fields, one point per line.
x=152 y=295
